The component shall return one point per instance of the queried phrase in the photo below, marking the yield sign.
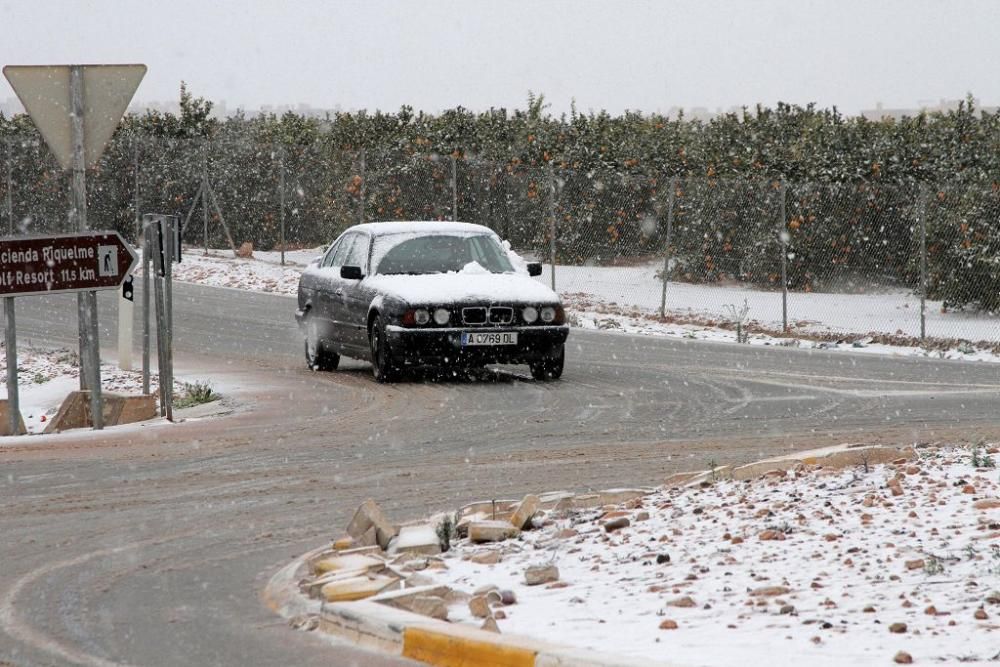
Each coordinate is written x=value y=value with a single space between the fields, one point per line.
x=44 y=90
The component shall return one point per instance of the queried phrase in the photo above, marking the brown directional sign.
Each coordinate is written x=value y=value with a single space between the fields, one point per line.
x=64 y=263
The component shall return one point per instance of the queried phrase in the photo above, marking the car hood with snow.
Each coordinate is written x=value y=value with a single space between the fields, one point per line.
x=472 y=284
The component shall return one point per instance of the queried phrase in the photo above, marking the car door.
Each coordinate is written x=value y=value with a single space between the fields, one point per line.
x=330 y=291
x=311 y=288
x=354 y=299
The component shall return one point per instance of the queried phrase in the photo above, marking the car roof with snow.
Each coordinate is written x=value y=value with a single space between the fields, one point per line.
x=421 y=226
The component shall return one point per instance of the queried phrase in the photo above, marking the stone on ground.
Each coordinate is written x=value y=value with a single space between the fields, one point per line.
x=492 y=531
x=369 y=515
x=541 y=574
x=421 y=539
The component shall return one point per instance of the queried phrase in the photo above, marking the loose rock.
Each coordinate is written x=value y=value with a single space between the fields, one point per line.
x=541 y=574
x=616 y=524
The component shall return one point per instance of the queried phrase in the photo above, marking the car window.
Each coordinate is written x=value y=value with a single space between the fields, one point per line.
x=438 y=253
x=358 y=255
x=328 y=257
x=346 y=244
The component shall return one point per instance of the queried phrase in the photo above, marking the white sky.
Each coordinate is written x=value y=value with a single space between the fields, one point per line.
x=481 y=53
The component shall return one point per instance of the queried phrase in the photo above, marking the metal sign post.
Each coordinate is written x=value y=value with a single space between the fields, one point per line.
x=76 y=108
x=161 y=239
x=147 y=267
x=81 y=263
x=10 y=340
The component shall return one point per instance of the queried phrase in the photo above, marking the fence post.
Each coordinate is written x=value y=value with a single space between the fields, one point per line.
x=454 y=188
x=552 y=225
x=281 y=197
x=922 y=212
x=10 y=187
x=204 y=195
x=135 y=201
x=783 y=236
x=666 y=255
x=361 y=199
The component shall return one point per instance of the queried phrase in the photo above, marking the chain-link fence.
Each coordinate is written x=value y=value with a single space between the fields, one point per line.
x=820 y=259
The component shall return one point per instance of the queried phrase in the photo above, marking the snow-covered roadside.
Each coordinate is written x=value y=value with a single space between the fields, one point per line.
x=816 y=567
x=46 y=377
x=262 y=273
x=603 y=320
x=596 y=298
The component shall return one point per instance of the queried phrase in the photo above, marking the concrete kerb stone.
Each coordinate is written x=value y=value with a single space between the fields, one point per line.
x=74 y=412
x=376 y=625
x=833 y=458
x=282 y=595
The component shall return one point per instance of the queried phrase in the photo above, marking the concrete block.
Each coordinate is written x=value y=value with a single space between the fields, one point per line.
x=118 y=409
x=524 y=511
x=619 y=496
x=369 y=515
x=356 y=588
x=462 y=527
x=549 y=500
x=454 y=645
x=5 y=419
x=488 y=507
x=368 y=624
x=421 y=539
x=349 y=562
x=492 y=531
x=680 y=478
x=837 y=457
x=586 y=501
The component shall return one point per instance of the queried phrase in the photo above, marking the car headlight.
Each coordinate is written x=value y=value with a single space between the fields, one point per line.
x=548 y=314
x=442 y=316
x=421 y=316
x=529 y=314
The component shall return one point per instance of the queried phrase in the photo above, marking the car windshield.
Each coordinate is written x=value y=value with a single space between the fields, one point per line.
x=438 y=253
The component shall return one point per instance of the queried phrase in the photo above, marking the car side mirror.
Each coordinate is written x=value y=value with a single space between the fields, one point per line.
x=315 y=261
x=534 y=268
x=351 y=273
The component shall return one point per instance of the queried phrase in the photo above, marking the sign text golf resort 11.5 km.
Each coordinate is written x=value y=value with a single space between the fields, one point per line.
x=64 y=263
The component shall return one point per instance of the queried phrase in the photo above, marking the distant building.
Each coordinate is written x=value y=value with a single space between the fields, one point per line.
x=942 y=105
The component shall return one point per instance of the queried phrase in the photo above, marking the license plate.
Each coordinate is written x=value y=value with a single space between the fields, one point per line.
x=500 y=338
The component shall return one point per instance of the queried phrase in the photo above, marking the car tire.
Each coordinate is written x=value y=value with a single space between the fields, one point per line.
x=551 y=367
x=318 y=357
x=383 y=366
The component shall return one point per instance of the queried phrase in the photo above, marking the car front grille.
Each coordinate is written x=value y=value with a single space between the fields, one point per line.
x=501 y=315
x=474 y=315
x=496 y=315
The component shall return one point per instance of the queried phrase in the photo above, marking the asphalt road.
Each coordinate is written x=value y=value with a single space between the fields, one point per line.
x=149 y=546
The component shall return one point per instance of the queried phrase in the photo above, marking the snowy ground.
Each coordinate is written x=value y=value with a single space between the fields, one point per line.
x=627 y=299
x=46 y=377
x=852 y=558
x=892 y=312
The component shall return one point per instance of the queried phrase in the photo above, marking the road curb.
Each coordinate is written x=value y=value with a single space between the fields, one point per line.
x=376 y=626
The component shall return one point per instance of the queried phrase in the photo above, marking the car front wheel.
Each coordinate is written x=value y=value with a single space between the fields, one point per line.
x=318 y=358
x=551 y=367
x=382 y=363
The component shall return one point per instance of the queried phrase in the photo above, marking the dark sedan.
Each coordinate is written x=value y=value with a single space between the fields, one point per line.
x=447 y=294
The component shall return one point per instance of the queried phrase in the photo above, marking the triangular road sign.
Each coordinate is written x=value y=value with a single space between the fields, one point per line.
x=45 y=93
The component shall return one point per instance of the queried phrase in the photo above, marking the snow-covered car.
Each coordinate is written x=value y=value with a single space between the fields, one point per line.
x=446 y=294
